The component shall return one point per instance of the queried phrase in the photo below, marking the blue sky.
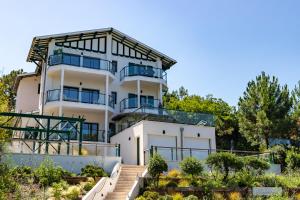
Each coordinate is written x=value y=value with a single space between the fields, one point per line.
x=219 y=45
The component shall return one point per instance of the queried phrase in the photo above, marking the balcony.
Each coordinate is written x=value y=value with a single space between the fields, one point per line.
x=74 y=95
x=132 y=103
x=142 y=70
x=81 y=61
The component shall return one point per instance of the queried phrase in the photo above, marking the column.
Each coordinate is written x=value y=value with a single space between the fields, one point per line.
x=106 y=108
x=160 y=93
x=62 y=77
x=138 y=93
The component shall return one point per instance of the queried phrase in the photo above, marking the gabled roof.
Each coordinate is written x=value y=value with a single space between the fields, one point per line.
x=39 y=46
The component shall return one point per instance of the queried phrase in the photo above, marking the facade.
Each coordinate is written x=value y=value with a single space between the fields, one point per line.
x=104 y=76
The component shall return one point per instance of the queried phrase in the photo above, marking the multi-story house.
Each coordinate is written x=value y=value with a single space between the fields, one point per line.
x=116 y=83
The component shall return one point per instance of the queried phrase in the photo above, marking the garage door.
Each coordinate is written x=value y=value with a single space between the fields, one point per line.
x=198 y=147
x=163 y=141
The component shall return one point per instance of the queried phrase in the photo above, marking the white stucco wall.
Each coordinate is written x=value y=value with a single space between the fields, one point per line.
x=146 y=129
x=27 y=99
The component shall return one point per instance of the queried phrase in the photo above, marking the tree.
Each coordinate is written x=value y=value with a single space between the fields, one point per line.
x=191 y=166
x=224 y=162
x=7 y=87
x=263 y=110
x=157 y=165
x=256 y=165
x=225 y=119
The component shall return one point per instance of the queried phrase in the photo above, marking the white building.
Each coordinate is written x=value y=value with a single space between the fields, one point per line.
x=116 y=83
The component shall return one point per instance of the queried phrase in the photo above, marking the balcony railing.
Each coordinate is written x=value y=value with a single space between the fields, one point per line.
x=142 y=70
x=89 y=97
x=81 y=61
x=130 y=103
x=87 y=135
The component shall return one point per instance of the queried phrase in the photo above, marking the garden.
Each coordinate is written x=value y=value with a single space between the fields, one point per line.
x=221 y=176
x=47 y=181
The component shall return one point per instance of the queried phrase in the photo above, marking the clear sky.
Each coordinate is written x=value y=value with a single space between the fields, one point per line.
x=219 y=44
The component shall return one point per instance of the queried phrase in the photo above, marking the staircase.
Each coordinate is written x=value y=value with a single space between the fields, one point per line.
x=128 y=175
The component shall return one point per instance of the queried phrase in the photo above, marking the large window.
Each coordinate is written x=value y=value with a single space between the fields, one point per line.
x=90 y=96
x=70 y=59
x=90 y=132
x=93 y=63
x=71 y=94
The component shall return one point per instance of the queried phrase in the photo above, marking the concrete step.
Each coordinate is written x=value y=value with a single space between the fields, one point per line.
x=116 y=196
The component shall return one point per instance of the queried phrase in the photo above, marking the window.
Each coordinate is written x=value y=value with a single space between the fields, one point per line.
x=90 y=132
x=90 y=96
x=93 y=63
x=114 y=65
x=70 y=59
x=67 y=126
x=70 y=94
x=39 y=88
x=114 y=97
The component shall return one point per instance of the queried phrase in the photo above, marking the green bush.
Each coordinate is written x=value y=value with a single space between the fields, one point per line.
x=256 y=166
x=148 y=195
x=171 y=184
x=57 y=189
x=93 y=171
x=190 y=197
x=22 y=174
x=241 y=179
x=157 y=165
x=47 y=173
x=7 y=182
x=177 y=196
x=278 y=153
x=88 y=186
x=293 y=160
x=267 y=181
x=166 y=197
x=224 y=163
x=191 y=166
x=72 y=193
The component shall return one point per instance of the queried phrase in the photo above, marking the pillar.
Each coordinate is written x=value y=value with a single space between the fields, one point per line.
x=138 y=93
x=106 y=108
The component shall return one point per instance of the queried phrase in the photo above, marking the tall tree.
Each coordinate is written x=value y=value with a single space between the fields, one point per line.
x=263 y=110
x=6 y=88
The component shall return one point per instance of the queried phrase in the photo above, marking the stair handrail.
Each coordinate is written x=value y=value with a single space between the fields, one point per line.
x=96 y=189
x=104 y=183
x=136 y=186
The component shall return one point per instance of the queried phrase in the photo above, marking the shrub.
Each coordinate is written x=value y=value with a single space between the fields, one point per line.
x=190 y=197
x=177 y=196
x=162 y=182
x=224 y=162
x=183 y=183
x=242 y=179
x=191 y=166
x=57 y=189
x=267 y=181
x=293 y=160
x=256 y=165
x=88 y=186
x=72 y=193
x=218 y=196
x=171 y=184
x=291 y=180
x=140 y=198
x=22 y=174
x=157 y=165
x=93 y=171
x=278 y=153
x=174 y=173
x=150 y=195
x=47 y=173
x=166 y=197
x=235 y=196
